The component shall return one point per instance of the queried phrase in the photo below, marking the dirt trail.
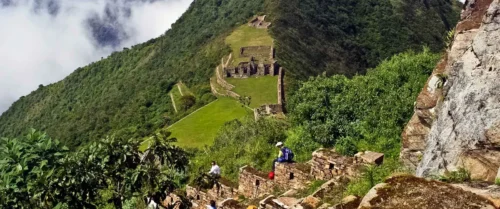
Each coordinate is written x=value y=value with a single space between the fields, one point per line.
x=173 y=102
x=179 y=87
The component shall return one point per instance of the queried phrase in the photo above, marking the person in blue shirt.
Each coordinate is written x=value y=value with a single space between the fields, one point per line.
x=285 y=155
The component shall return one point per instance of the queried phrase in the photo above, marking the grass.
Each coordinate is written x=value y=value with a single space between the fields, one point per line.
x=177 y=94
x=262 y=90
x=199 y=129
x=247 y=36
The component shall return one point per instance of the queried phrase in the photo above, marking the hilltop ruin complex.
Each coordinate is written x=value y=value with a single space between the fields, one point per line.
x=260 y=62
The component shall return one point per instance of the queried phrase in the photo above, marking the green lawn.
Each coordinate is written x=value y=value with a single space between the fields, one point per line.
x=247 y=36
x=262 y=90
x=200 y=128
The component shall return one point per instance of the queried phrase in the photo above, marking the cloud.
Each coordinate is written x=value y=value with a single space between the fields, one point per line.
x=43 y=41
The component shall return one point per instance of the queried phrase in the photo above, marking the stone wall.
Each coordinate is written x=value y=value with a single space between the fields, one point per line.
x=200 y=198
x=292 y=175
x=267 y=110
x=221 y=81
x=281 y=92
x=259 y=22
x=253 y=183
x=327 y=164
x=255 y=51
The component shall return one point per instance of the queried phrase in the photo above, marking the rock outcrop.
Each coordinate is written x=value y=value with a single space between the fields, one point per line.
x=457 y=114
x=418 y=193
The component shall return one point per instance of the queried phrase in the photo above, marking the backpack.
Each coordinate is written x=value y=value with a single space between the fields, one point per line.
x=287 y=154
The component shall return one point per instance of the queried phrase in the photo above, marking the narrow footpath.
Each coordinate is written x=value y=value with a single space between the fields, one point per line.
x=173 y=102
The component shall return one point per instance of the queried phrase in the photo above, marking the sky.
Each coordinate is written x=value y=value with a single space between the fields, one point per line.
x=43 y=41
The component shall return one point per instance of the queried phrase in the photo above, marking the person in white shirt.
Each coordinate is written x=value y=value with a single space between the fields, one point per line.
x=214 y=175
x=215 y=170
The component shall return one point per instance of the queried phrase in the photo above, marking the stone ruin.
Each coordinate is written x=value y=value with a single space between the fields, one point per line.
x=273 y=109
x=325 y=164
x=259 y=22
x=267 y=110
x=292 y=175
x=251 y=68
x=259 y=181
x=260 y=63
x=201 y=197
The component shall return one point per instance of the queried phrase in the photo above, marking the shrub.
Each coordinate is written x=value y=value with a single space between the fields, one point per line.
x=458 y=176
x=187 y=101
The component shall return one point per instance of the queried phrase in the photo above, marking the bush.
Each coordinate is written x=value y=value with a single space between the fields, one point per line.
x=187 y=101
x=346 y=146
x=367 y=111
x=458 y=176
x=239 y=143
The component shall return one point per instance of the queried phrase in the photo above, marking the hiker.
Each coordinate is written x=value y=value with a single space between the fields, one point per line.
x=285 y=155
x=214 y=175
x=212 y=205
x=215 y=170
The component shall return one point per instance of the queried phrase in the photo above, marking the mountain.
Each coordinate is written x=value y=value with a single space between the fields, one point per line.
x=126 y=93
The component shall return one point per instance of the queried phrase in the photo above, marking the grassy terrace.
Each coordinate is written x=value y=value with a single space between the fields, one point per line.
x=199 y=129
x=262 y=90
x=247 y=36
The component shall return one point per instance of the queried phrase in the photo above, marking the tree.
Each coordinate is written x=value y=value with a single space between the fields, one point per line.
x=39 y=172
x=187 y=101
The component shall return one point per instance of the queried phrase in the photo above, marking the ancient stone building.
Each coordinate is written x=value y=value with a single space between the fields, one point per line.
x=292 y=175
x=201 y=197
x=253 y=183
x=327 y=164
x=259 y=22
x=260 y=63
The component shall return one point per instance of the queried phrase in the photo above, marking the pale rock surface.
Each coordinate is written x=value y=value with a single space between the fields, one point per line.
x=459 y=137
x=429 y=102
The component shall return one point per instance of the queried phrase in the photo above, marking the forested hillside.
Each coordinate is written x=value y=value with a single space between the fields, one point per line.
x=347 y=37
x=127 y=93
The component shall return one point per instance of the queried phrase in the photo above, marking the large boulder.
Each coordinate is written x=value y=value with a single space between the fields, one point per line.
x=466 y=129
x=430 y=103
x=490 y=192
x=418 y=193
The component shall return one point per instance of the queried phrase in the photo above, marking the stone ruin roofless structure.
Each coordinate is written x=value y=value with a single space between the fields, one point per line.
x=260 y=62
x=253 y=184
x=259 y=22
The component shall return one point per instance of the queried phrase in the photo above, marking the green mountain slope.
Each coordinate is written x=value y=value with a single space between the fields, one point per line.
x=347 y=36
x=127 y=93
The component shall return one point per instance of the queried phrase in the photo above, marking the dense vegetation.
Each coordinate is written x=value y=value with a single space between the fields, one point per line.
x=367 y=112
x=127 y=93
x=349 y=36
x=363 y=113
x=39 y=172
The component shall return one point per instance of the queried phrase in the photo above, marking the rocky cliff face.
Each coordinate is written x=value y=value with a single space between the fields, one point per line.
x=457 y=114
